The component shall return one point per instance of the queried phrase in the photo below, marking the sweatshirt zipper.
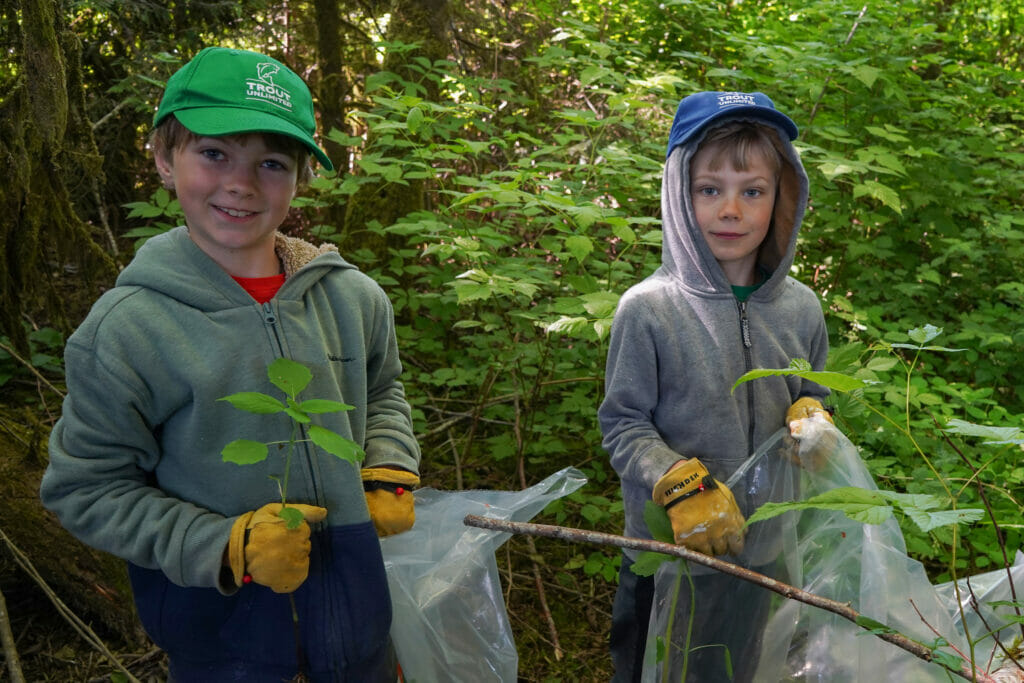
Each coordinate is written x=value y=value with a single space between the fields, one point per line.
x=749 y=364
x=335 y=663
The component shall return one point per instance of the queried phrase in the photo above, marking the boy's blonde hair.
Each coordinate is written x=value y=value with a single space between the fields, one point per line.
x=738 y=140
x=170 y=135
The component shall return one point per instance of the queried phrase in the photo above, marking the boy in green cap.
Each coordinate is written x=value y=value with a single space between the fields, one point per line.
x=201 y=311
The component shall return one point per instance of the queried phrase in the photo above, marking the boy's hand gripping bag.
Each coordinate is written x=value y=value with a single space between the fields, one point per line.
x=825 y=553
x=449 y=617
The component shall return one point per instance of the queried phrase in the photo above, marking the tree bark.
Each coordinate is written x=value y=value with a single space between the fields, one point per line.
x=47 y=150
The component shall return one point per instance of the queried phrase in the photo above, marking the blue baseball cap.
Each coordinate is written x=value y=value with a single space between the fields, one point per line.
x=696 y=112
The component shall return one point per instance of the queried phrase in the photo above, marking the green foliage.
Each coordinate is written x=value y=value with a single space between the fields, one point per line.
x=291 y=378
x=539 y=161
x=874 y=507
x=906 y=420
x=46 y=348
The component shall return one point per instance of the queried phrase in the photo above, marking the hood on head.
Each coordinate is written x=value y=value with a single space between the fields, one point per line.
x=685 y=253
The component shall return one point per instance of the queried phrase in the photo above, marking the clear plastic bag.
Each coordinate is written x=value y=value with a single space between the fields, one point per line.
x=980 y=616
x=828 y=554
x=449 y=617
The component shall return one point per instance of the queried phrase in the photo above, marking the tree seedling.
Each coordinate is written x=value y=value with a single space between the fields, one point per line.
x=291 y=378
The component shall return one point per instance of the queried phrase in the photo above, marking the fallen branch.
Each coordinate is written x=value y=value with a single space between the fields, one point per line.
x=76 y=623
x=842 y=609
x=10 y=649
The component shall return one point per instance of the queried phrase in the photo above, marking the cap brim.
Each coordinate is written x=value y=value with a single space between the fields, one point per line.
x=238 y=121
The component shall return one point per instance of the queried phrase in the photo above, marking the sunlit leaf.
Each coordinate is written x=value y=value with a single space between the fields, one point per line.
x=335 y=444
x=317 y=406
x=244 y=452
x=254 y=402
x=289 y=376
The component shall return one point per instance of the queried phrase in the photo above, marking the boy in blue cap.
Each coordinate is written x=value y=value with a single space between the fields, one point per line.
x=722 y=303
x=201 y=311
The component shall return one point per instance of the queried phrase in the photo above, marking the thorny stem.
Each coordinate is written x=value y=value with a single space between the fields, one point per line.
x=843 y=610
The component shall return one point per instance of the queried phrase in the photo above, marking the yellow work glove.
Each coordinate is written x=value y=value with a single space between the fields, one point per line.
x=263 y=548
x=702 y=510
x=389 y=497
x=810 y=454
x=805 y=407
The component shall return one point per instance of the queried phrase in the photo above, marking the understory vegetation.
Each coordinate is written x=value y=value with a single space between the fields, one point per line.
x=505 y=192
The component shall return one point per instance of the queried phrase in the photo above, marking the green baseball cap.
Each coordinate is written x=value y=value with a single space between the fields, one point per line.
x=224 y=91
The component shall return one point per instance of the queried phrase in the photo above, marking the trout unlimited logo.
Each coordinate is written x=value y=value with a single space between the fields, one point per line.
x=735 y=99
x=263 y=89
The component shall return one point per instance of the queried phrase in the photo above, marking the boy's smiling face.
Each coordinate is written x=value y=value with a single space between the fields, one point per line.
x=733 y=208
x=235 y=192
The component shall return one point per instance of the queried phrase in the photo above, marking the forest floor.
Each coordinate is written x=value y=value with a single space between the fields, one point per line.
x=51 y=650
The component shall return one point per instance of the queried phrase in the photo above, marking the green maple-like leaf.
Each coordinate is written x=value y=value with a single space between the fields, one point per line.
x=291 y=516
x=335 y=444
x=244 y=452
x=289 y=376
x=254 y=402
x=318 y=406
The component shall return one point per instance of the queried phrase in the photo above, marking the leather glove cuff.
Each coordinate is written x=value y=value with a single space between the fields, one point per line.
x=685 y=481
x=236 y=547
x=376 y=478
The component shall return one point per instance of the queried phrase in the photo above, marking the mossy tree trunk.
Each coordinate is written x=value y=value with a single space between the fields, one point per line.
x=49 y=154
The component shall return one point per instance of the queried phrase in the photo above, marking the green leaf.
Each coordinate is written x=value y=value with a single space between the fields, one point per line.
x=869 y=507
x=872 y=626
x=883 y=193
x=927 y=520
x=923 y=335
x=289 y=376
x=947 y=659
x=600 y=304
x=244 y=452
x=317 y=406
x=873 y=507
x=992 y=435
x=578 y=246
x=467 y=291
x=658 y=522
x=335 y=444
x=865 y=74
x=567 y=325
x=836 y=381
x=291 y=516
x=254 y=402
x=297 y=415
x=648 y=562
x=414 y=119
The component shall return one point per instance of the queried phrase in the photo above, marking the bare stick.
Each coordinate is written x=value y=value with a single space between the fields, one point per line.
x=828 y=79
x=80 y=626
x=10 y=648
x=596 y=537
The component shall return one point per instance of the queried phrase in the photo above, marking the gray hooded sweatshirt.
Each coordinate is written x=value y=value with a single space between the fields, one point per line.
x=681 y=339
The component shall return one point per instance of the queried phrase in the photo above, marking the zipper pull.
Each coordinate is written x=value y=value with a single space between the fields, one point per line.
x=269 y=317
x=744 y=324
